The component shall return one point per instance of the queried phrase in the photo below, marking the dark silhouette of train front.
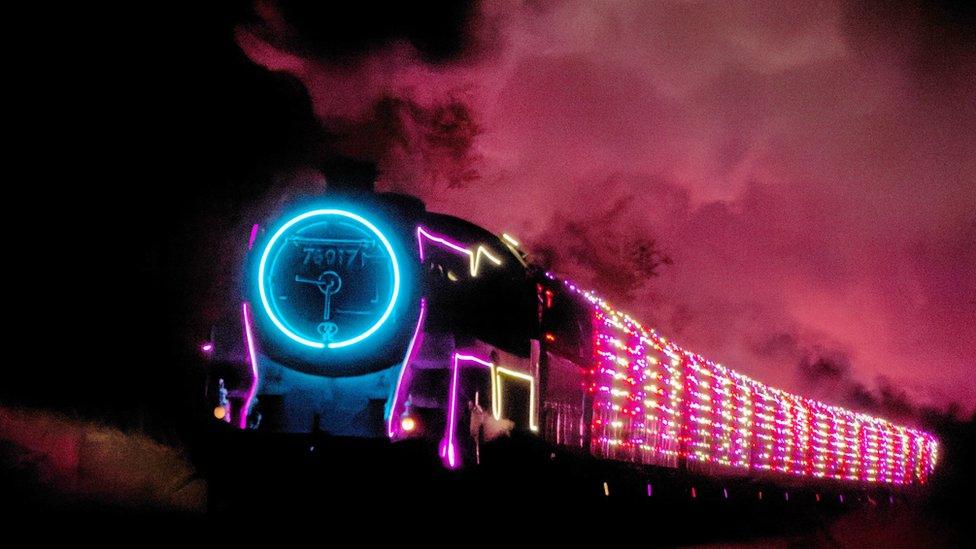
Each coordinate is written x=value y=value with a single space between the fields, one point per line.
x=367 y=315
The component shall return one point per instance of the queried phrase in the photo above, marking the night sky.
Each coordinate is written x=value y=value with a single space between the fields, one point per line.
x=788 y=190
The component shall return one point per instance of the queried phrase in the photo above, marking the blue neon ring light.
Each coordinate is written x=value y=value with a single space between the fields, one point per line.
x=262 y=291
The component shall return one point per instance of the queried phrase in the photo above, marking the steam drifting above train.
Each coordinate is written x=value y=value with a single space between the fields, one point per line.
x=366 y=315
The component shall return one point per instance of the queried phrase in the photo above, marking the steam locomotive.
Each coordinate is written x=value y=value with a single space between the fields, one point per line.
x=369 y=316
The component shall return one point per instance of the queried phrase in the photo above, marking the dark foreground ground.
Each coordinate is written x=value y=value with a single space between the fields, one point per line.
x=54 y=466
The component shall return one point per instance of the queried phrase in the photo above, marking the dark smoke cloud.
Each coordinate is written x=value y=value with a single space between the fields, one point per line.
x=620 y=261
x=808 y=167
x=829 y=375
x=389 y=95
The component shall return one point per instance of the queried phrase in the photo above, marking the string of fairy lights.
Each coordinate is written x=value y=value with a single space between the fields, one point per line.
x=657 y=403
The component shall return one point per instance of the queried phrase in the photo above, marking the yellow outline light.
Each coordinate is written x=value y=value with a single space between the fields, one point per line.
x=496 y=403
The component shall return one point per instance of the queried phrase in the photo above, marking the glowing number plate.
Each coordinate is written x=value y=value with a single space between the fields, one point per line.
x=328 y=278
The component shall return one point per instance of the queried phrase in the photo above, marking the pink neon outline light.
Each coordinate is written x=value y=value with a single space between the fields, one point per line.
x=254 y=367
x=253 y=237
x=407 y=359
x=474 y=258
x=447 y=449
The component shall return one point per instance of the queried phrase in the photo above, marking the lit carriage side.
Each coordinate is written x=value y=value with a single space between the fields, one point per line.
x=656 y=403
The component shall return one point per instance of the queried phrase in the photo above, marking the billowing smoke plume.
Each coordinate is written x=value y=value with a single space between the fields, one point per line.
x=786 y=188
x=409 y=111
